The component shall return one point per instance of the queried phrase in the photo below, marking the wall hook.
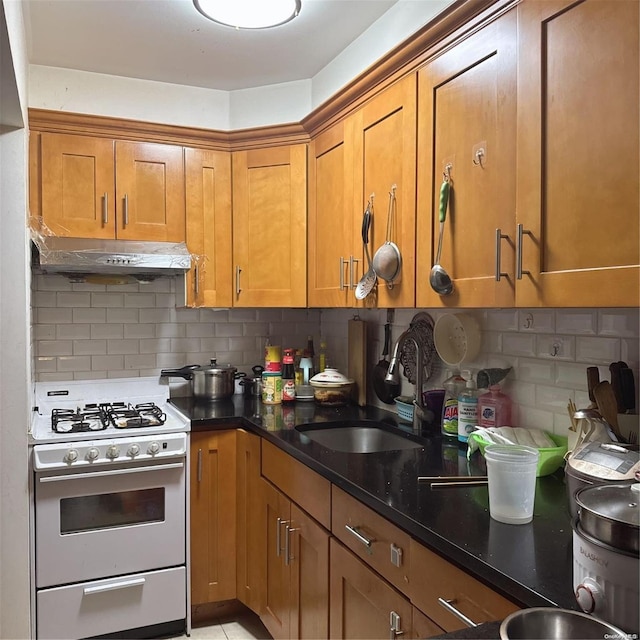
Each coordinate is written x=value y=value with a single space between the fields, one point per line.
x=478 y=156
x=446 y=174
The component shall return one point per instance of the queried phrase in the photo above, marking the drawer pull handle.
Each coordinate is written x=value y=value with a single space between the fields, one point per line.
x=105 y=208
x=342 y=264
x=448 y=605
x=279 y=523
x=112 y=586
x=362 y=538
x=521 y=231
x=500 y=236
x=287 y=545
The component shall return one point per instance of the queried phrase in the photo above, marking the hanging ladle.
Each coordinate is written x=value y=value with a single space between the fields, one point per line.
x=369 y=279
x=439 y=279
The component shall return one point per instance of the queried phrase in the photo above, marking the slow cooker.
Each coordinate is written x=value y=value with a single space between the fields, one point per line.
x=606 y=562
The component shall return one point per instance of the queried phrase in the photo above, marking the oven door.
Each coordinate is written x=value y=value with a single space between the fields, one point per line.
x=109 y=521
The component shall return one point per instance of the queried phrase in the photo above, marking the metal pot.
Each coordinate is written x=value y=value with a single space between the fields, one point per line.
x=253 y=384
x=210 y=382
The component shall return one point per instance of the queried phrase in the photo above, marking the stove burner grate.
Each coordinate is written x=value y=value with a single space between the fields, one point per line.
x=146 y=414
x=90 y=418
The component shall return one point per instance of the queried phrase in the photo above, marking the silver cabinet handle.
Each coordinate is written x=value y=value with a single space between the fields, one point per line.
x=125 y=211
x=105 y=208
x=342 y=263
x=499 y=236
x=521 y=232
x=199 y=465
x=394 y=625
x=352 y=279
x=287 y=544
x=362 y=538
x=112 y=586
x=196 y=280
x=448 y=605
x=279 y=523
x=238 y=289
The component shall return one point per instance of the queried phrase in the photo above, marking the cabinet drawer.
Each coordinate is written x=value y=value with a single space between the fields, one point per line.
x=432 y=577
x=304 y=486
x=373 y=538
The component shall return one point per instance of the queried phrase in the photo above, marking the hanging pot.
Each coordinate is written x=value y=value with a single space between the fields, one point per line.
x=210 y=382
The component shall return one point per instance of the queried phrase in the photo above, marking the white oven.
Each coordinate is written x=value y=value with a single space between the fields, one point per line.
x=110 y=521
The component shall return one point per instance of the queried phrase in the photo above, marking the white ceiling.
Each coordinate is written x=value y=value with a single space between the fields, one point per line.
x=170 y=41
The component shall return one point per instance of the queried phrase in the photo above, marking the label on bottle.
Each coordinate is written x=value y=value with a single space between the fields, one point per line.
x=288 y=390
x=450 y=417
x=467 y=417
x=487 y=416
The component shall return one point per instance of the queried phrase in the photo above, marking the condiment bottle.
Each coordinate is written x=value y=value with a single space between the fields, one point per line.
x=288 y=376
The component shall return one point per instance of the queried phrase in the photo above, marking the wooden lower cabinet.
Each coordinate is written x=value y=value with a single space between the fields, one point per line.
x=296 y=569
x=213 y=516
x=422 y=626
x=363 y=605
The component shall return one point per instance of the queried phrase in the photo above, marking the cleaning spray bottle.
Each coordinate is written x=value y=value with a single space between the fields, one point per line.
x=467 y=407
x=453 y=386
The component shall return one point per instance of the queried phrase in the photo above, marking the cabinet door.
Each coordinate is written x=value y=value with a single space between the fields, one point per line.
x=333 y=249
x=251 y=528
x=213 y=516
x=276 y=514
x=422 y=626
x=308 y=560
x=270 y=227
x=77 y=187
x=150 y=192
x=385 y=155
x=578 y=146
x=208 y=211
x=467 y=122
x=362 y=604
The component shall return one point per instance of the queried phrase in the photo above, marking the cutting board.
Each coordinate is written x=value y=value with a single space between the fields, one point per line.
x=357 y=358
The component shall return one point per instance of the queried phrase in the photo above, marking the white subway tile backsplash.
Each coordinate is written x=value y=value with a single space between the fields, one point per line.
x=534 y=370
x=53 y=316
x=155 y=345
x=186 y=345
x=552 y=398
x=519 y=344
x=597 y=350
x=73 y=331
x=166 y=300
x=491 y=342
x=140 y=300
x=536 y=321
x=44 y=299
x=45 y=364
x=140 y=330
x=202 y=330
x=576 y=322
x=184 y=315
x=123 y=347
x=73 y=299
x=107 y=363
x=227 y=330
x=247 y=343
x=271 y=315
x=620 y=323
x=144 y=361
x=213 y=345
x=521 y=392
x=55 y=348
x=107 y=331
x=45 y=331
x=107 y=299
x=159 y=316
x=89 y=347
x=571 y=375
x=238 y=315
x=73 y=364
x=127 y=316
x=534 y=418
x=501 y=320
x=630 y=351
x=89 y=315
x=171 y=330
x=52 y=283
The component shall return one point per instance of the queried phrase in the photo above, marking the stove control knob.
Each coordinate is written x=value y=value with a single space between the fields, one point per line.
x=133 y=450
x=71 y=455
x=92 y=454
x=113 y=452
x=154 y=447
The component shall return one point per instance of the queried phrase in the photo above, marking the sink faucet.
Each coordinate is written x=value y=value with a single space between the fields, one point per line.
x=420 y=412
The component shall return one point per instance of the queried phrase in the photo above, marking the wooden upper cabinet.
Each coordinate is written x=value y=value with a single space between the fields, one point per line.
x=467 y=125
x=335 y=251
x=208 y=218
x=77 y=186
x=270 y=227
x=97 y=188
x=150 y=192
x=384 y=156
x=578 y=146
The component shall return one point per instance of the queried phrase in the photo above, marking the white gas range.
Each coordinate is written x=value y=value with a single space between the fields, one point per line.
x=109 y=460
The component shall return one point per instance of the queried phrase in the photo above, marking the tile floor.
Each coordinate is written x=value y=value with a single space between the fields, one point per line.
x=244 y=626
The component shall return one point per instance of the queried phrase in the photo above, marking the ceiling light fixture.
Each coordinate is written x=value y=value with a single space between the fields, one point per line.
x=249 y=14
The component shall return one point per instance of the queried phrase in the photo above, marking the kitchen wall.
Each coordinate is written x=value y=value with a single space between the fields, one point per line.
x=87 y=331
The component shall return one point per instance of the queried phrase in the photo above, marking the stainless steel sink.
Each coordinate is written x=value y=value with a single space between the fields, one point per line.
x=358 y=439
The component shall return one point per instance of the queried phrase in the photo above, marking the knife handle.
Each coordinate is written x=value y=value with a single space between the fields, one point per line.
x=615 y=368
x=593 y=378
x=628 y=389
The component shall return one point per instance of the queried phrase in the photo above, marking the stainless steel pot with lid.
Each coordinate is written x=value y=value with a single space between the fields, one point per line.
x=611 y=513
x=210 y=382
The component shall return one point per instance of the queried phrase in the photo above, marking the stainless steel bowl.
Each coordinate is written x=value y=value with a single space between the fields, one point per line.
x=561 y=624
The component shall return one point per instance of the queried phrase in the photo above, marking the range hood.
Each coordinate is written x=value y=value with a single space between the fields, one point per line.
x=79 y=257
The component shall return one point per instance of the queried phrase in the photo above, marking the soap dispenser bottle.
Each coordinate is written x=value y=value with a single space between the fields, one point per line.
x=467 y=408
x=453 y=386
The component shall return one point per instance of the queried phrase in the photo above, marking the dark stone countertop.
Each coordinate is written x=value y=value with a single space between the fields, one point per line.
x=531 y=563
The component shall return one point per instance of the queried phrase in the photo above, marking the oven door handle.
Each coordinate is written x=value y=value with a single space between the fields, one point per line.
x=112 y=472
x=112 y=586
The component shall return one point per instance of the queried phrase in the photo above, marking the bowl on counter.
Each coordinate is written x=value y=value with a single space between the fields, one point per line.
x=331 y=388
x=552 y=623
